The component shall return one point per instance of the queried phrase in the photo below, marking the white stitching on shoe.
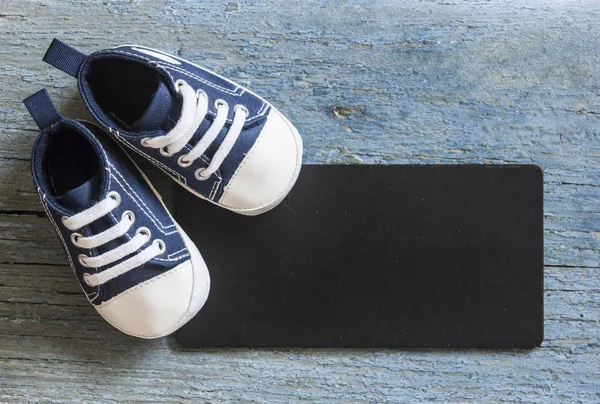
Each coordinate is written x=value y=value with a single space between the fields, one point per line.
x=106 y=168
x=139 y=198
x=158 y=55
x=200 y=79
x=262 y=110
x=159 y=225
x=176 y=252
x=169 y=258
x=212 y=190
x=154 y=161
x=173 y=259
x=216 y=186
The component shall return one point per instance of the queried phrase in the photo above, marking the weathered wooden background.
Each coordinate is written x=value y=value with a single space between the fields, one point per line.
x=365 y=82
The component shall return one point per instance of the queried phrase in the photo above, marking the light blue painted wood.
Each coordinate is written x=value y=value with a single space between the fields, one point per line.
x=365 y=82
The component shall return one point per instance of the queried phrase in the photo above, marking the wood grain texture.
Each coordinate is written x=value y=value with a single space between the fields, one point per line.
x=365 y=82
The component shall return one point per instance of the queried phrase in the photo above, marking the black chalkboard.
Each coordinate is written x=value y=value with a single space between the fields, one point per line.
x=376 y=256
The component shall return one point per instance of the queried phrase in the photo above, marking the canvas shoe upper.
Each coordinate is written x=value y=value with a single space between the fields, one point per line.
x=214 y=137
x=135 y=264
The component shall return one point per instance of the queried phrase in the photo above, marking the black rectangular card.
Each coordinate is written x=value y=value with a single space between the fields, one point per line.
x=376 y=256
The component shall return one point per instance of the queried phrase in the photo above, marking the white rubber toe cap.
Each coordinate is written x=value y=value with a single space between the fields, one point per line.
x=161 y=305
x=268 y=172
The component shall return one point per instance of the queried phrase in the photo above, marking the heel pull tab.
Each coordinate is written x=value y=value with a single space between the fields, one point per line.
x=64 y=57
x=42 y=109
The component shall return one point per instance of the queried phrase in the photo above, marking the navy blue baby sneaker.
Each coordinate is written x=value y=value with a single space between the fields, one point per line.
x=135 y=264
x=217 y=139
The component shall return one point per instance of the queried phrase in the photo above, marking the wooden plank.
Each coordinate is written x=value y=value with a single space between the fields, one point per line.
x=365 y=82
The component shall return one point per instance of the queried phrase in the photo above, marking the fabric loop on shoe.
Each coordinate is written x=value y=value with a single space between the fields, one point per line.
x=42 y=109
x=64 y=57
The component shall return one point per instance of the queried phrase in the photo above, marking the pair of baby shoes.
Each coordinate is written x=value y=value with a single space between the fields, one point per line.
x=215 y=138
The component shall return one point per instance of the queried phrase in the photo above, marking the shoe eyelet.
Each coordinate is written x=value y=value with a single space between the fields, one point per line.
x=75 y=239
x=115 y=197
x=179 y=83
x=183 y=162
x=144 y=231
x=145 y=141
x=81 y=258
x=240 y=107
x=130 y=215
x=161 y=245
x=199 y=176
x=201 y=93
x=63 y=219
x=165 y=151
x=86 y=278
x=220 y=103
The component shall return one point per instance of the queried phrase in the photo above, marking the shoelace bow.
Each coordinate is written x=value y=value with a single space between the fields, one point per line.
x=193 y=112
x=141 y=237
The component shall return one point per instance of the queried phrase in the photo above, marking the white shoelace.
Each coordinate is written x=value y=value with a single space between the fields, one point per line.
x=194 y=109
x=143 y=235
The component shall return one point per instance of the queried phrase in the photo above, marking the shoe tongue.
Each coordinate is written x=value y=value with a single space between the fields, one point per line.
x=162 y=112
x=81 y=197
